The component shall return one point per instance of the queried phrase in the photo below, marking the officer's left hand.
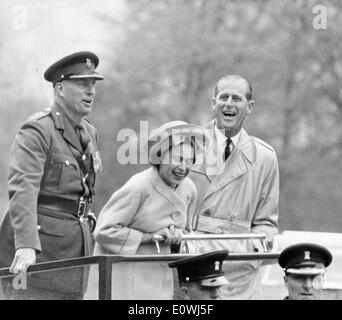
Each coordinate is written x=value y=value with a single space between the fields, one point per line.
x=23 y=258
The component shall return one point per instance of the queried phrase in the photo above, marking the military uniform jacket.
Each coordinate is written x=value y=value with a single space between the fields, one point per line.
x=144 y=204
x=42 y=162
x=242 y=198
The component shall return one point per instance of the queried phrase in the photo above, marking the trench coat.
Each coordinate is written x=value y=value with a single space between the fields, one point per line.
x=241 y=198
x=42 y=163
x=144 y=204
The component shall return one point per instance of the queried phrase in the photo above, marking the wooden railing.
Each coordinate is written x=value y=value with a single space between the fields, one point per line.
x=104 y=262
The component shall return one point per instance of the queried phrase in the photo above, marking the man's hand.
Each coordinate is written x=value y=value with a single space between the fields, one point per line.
x=23 y=258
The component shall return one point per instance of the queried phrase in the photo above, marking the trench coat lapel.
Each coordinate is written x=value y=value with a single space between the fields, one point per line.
x=66 y=128
x=174 y=197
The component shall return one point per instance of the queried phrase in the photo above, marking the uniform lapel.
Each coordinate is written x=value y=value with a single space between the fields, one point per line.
x=89 y=148
x=67 y=130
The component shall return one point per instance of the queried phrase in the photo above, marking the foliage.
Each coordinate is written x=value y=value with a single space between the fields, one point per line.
x=164 y=66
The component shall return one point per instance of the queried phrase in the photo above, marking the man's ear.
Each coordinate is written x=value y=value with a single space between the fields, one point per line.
x=59 y=89
x=250 y=106
x=185 y=293
x=213 y=101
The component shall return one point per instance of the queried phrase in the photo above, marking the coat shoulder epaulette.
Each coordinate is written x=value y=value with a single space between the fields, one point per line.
x=263 y=143
x=39 y=115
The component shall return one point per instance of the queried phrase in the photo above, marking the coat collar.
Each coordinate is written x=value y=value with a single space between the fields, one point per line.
x=222 y=174
x=245 y=143
x=177 y=198
x=66 y=126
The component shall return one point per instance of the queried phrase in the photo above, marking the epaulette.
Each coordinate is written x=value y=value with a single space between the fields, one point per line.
x=262 y=142
x=40 y=114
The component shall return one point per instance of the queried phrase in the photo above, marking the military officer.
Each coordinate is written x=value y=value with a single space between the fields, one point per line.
x=53 y=163
x=201 y=277
x=304 y=265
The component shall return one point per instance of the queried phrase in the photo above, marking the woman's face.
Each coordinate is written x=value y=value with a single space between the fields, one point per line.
x=176 y=164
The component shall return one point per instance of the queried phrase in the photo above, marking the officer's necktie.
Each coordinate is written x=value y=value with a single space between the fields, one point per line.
x=227 y=149
x=83 y=136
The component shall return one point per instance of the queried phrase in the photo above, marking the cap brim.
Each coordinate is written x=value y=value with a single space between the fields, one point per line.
x=215 y=282
x=83 y=76
x=306 y=271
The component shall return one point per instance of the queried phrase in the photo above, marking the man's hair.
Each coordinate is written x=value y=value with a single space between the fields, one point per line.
x=235 y=77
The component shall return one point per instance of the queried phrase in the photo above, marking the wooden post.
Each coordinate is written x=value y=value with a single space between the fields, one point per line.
x=105 y=278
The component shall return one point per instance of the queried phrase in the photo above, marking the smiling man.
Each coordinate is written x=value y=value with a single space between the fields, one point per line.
x=304 y=265
x=52 y=169
x=238 y=187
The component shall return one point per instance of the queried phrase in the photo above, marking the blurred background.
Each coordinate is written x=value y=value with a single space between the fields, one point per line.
x=161 y=60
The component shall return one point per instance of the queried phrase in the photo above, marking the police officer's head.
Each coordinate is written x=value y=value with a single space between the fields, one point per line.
x=304 y=265
x=74 y=78
x=201 y=277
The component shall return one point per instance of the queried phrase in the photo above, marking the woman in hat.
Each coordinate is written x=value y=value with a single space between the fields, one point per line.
x=157 y=201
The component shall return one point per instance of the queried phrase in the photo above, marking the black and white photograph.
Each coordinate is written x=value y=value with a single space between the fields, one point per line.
x=170 y=150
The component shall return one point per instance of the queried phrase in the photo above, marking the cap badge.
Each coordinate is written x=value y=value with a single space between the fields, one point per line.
x=88 y=63
x=307 y=255
x=217 y=265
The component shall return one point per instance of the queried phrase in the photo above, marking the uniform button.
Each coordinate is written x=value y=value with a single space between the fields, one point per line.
x=84 y=179
x=67 y=162
x=84 y=157
x=175 y=215
x=39 y=227
x=57 y=113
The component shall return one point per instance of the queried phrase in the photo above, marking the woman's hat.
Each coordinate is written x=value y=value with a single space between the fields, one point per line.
x=174 y=133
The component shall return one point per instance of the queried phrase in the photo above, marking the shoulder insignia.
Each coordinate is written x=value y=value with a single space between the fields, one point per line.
x=263 y=143
x=40 y=114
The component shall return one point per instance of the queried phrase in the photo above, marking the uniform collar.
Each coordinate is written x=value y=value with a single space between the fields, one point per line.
x=64 y=119
x=67 y=125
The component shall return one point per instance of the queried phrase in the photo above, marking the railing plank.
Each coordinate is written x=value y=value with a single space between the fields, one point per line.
x=55 y=265
x=172 y=257
x=105 y=265
x=105 y=278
